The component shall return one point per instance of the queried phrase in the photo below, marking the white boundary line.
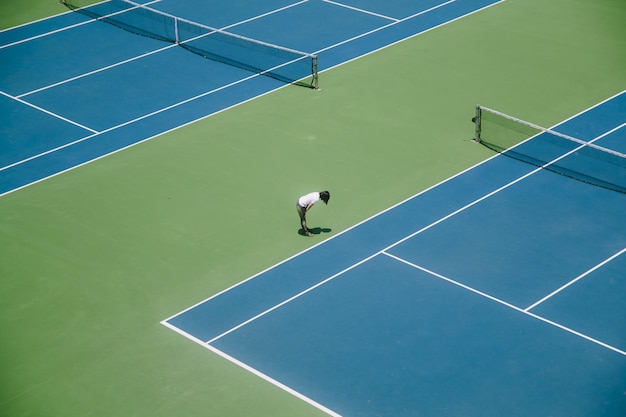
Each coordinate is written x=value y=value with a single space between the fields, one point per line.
x=54 y=16
x=361 y=10
x=578 y=278
x=61 y=29
x=86 y=74
x=274 y=382
x=124 y=124
x=300 y=294
x=518 y=309
x=255 y=372
x=271 y=12
x=132 y=144
x=378 y=29
x=403 y=39
x=47 y=112
x=42 y=35
x=51 y=17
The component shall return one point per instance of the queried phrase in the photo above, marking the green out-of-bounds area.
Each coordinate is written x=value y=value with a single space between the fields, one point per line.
x=93 y=259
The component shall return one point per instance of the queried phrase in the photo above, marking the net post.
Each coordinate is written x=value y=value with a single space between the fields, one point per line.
x=476 y=119
x=314 y=81
x=176 y=31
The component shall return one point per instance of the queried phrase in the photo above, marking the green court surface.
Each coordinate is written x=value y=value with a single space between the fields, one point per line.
x=93 y=259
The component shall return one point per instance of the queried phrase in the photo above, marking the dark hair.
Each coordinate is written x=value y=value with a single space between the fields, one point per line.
x=325 y=196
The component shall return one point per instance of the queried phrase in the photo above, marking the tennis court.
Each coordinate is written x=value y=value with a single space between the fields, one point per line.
x=152 y=263
x=500 y=296
x=103 y=89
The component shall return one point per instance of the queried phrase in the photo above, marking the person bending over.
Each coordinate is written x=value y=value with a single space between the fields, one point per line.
x=305 y=203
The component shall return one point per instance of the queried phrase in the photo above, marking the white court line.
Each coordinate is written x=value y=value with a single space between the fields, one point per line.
x=397 y=22
x=52 y=32
x=123 y=148
x=567 y=329
x=289 y=6
x=361 y=10
x=43 y=19
x=578 y=278
x=290 y=299
x=122 y=124
x=253 y=371
x=43 y=35
x=274 y=382
x=47 y=112
x=96 y=133
x=96 y=71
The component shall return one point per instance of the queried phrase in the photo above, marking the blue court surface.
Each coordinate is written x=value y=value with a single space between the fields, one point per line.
x=498 y=292
x=86 y=89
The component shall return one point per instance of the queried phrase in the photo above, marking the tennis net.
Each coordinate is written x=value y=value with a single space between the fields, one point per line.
x=284 y=64
x=563 y=154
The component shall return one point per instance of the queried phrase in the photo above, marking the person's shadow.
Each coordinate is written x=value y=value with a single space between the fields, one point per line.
x=315 y=230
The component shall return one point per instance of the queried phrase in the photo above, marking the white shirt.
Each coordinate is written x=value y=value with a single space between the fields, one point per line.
x=310 y=198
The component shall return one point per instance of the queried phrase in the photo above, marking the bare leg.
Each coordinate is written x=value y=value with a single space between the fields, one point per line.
x=302 y=214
